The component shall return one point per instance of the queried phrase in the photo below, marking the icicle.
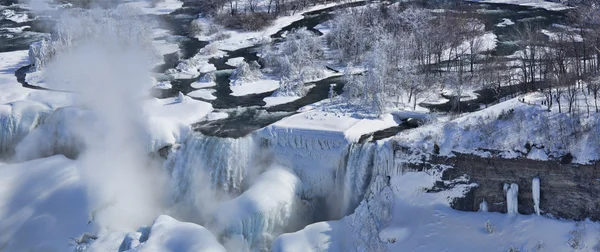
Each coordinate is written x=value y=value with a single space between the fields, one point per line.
x=512 y=201
x=535 y=190
x=483 y=206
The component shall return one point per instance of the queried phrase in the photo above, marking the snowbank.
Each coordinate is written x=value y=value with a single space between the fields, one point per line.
x=169 y=121
x=206 y=94
x=276 y=100
x=255 y=87
x=170 y=235
x=43 y=205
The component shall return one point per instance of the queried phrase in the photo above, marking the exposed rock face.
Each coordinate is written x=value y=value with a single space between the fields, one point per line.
x=567 y=191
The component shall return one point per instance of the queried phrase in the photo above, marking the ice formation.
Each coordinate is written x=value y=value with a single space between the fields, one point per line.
x=40 y=53
x=356 y=232
x=314 y=155
x=59 y=133
x=512 y=200
x=17 y=119
x=221 y=162
x=268 y=208
x=535 y=191
x=483 y=206
x=353 y=178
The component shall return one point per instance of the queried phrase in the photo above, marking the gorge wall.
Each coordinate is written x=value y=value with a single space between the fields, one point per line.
x=567 y=190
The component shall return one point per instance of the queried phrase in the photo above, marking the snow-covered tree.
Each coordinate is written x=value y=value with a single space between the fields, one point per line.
x=245 y=73
x=295 y=60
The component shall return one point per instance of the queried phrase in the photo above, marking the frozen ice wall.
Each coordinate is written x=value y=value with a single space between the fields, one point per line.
x=17 y=119
x=207 y=167
x=269 y=207
x=58 y=134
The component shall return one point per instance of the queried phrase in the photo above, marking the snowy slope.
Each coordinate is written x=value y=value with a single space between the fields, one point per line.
x=33 y=205
x=170 y=235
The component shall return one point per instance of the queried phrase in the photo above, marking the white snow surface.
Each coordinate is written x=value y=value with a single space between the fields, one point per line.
x=168 y=122
x=254 y=87
x=206 y=94
x=529 y=121
x=170 y=235
x=33 y=205
x=202 y=83
x=276 y=100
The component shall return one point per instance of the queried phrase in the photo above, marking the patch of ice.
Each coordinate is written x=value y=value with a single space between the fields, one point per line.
x=272 y=101
x=206 y=94
x=234 y=62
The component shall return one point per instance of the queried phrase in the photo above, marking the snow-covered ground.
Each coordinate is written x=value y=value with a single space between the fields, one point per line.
x=33 y=200
x=525 y=122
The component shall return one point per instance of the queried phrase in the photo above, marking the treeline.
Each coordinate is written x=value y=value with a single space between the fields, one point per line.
x=564 y=65
x=410 y=51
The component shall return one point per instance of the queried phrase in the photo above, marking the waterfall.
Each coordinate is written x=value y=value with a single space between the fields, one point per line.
x=222 y=163
x=354 y=175
x=17 y=119
x=270 y=207
x=366 y=171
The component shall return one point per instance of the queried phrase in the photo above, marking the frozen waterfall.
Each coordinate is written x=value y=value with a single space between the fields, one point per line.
x=267 y=209
x=203 y=160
